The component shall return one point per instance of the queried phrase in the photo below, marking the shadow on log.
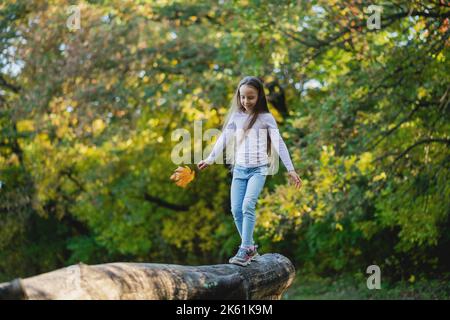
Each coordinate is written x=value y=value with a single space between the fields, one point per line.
x=265 y=278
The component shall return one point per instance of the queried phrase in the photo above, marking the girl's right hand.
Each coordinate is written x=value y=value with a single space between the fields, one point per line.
x=202 y=165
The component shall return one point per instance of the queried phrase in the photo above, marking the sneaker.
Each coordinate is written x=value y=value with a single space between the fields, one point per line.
x=244 y=256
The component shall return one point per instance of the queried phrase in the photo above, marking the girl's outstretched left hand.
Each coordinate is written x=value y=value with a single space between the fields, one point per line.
x=293 y=176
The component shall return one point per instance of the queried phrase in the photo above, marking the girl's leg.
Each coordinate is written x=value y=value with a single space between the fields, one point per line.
x=254 y=187
x=238 y=188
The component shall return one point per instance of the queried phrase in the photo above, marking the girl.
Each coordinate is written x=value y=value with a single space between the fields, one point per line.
x=250 y=123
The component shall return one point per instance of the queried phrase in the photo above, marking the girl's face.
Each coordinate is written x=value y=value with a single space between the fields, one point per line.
x=248 y=96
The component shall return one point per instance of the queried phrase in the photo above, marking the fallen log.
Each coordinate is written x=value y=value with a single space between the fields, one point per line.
x=266 y=278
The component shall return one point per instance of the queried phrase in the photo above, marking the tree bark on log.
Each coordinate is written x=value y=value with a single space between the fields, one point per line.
x=265 y=278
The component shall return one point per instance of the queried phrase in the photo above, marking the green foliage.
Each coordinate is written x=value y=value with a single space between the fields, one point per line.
x=86 y=120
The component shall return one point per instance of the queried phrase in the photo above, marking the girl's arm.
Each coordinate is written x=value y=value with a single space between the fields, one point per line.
x=278 y=142
x=282 y=150
x=223 y=140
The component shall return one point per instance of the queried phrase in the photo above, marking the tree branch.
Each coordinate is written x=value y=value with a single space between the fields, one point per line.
x=418 y=143
x=9 y=86
x=407 y=118
x=162 y=203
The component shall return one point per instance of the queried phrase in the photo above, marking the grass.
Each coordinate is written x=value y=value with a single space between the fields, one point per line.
x=348 y=287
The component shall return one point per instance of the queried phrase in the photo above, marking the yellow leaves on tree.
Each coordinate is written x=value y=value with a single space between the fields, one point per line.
x=183 y=176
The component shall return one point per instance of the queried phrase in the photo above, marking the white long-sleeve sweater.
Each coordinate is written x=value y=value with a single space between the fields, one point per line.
x=252 y=151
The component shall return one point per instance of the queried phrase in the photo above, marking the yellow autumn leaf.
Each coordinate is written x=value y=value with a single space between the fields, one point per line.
x=25 y=125
x=421 y=93
x=365 y=162
x=98 y=126
x=183 y=176
x=379 y=177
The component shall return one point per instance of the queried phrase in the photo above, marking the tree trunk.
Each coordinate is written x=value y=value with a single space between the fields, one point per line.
x=266 y=278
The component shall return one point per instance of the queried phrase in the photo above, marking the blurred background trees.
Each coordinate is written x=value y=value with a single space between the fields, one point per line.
x=86 y=118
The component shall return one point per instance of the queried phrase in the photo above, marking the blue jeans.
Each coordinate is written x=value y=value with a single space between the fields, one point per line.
x=246 y=186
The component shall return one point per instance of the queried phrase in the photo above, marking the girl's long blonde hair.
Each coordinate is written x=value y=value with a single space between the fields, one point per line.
x=260 y=107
